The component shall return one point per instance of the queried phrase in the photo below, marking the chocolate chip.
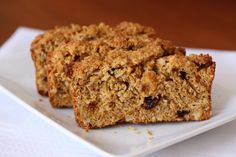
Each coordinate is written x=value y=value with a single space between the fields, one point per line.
x=183 y=75
x=182 y=113
x=68 y=69
x=150 y=102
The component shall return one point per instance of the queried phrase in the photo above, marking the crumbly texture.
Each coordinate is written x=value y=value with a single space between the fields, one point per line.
x=121 y=74
x=44 y=44
x=103 y=38
x=145 y=85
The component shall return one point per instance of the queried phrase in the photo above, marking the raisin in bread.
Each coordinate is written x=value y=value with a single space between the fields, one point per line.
x=145 y=85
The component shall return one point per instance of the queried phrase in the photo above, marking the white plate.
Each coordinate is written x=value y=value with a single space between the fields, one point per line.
x=17 y=80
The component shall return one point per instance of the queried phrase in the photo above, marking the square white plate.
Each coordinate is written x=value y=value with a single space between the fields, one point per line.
x=17 y=80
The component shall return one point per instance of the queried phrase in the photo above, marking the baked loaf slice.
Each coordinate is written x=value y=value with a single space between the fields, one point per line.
x=46 y=43
x=145 y=85
x=103 y=39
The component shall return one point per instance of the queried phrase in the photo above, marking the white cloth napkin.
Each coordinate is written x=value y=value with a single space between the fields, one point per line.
x=24 y=134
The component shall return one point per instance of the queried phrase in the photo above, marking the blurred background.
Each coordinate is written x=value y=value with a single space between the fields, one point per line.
x=202 y=24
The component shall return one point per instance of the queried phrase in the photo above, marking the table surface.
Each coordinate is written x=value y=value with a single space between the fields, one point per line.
x=202 y=24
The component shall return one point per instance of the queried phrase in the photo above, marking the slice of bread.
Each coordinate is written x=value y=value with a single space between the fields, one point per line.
x=145 y=85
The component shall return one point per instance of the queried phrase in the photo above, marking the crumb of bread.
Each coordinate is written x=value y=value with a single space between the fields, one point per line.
x=132 y=128
x=135 y=130
x=149 y=134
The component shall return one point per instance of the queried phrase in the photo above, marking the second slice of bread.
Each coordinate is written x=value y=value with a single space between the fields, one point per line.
x=103 y=38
